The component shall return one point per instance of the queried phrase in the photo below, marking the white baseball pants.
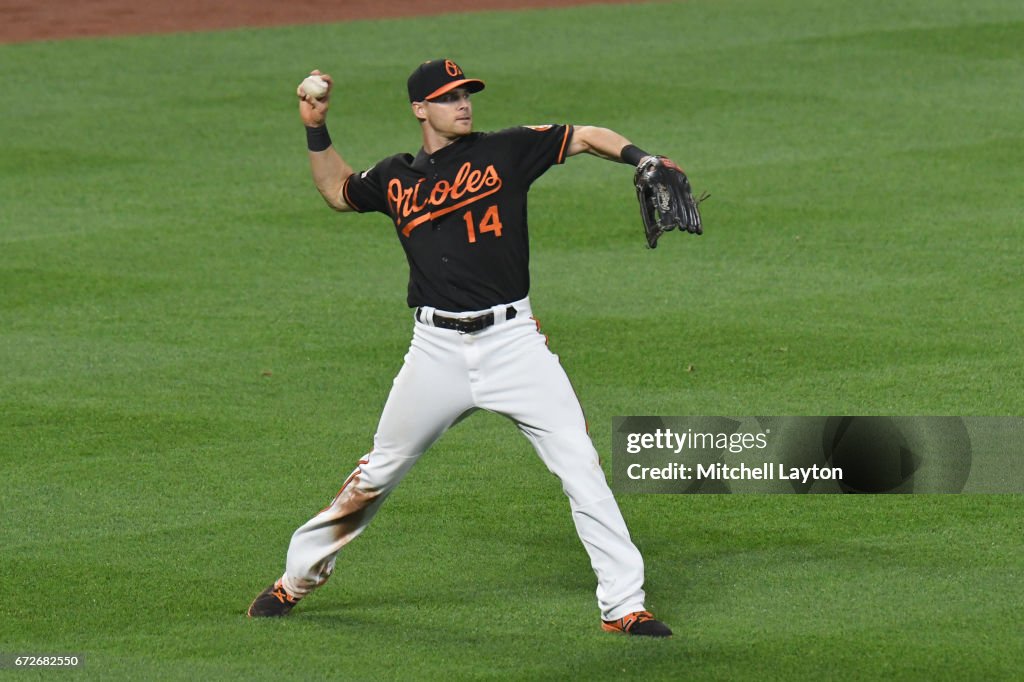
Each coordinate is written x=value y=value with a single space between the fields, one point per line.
x=506 y=368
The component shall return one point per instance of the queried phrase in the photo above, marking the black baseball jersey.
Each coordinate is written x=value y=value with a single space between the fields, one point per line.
x=460 y=213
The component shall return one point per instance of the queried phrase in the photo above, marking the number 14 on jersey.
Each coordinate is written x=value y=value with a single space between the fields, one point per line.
x=491 y=222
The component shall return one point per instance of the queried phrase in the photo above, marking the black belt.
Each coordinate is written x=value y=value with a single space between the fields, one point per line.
x=466 y=325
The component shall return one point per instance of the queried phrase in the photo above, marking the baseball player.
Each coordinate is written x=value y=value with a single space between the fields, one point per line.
x=459 y=208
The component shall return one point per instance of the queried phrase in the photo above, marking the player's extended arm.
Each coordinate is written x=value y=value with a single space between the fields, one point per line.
x=663 y=190
x=329 y=170
x=597 y=141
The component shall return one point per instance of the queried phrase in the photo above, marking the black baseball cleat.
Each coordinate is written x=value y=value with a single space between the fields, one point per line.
x=272 y=602
x=640 y=623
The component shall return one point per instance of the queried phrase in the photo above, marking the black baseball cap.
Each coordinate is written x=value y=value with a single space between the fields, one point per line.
x=438 y=76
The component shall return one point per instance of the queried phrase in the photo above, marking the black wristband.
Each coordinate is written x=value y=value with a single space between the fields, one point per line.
x=317 y=139
x=632 y=155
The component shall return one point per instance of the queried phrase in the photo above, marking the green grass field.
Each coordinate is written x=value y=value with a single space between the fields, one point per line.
x=195 y=349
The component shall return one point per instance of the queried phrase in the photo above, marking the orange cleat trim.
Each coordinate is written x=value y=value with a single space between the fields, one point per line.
x=626 y=623
x=282 y=596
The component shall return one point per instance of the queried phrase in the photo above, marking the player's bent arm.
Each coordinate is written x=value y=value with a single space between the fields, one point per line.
x=601 y=142
x=330 y=172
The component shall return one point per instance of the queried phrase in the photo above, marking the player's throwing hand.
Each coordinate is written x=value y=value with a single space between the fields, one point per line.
x=313 y=110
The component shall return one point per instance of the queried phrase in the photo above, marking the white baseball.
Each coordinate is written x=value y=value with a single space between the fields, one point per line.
x=314 y=86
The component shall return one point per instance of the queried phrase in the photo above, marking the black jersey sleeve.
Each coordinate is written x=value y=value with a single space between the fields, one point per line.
x=538 y=148
x=365 y=191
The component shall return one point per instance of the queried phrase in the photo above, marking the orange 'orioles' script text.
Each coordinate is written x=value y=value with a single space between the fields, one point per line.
x=411 y=210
